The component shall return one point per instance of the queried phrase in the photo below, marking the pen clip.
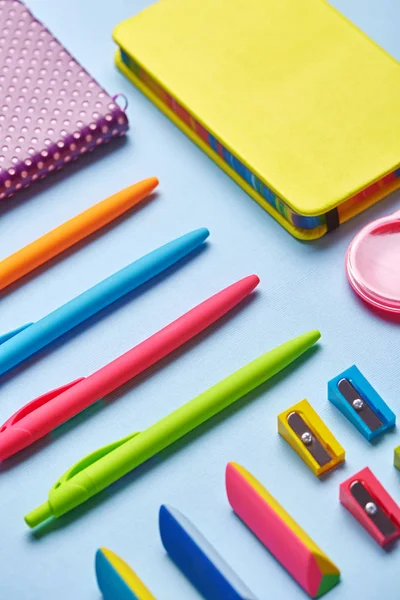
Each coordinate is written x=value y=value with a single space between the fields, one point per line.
x=92 y=458
x=7 y=336
x=37 y=403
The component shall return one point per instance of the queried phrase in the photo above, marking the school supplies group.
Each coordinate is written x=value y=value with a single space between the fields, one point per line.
x=284 y=118
x=192 y=553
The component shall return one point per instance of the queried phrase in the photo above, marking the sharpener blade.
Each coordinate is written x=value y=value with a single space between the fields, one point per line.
x=350 y=394
x=376 y=514
x=314 y=446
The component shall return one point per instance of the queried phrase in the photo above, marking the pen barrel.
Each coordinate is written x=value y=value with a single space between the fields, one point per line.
x=73 y=231
x=145 y=445
x=76 y=311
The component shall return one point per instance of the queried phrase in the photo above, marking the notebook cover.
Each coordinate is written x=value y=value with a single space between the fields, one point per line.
x=51 y=110
x=308 y=122
x=303 y=234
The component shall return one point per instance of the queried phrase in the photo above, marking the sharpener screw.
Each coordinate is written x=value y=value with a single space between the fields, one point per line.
x=306 y=438
x=358 y=404
x=371 y=508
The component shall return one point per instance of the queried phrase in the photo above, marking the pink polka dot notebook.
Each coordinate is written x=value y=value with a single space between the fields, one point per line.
x=51 y=110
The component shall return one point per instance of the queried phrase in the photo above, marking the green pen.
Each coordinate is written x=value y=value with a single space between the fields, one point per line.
x=108 y=464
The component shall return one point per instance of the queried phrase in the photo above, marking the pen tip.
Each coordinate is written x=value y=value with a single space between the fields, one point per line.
x=255 y=279
x=202 y=232
x=248 y=283
x=144 y=187
x=310 y=337
x=152 y=182
x=38 y=515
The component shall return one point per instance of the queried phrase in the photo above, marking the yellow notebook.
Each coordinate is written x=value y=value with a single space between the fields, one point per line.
x=294 y=102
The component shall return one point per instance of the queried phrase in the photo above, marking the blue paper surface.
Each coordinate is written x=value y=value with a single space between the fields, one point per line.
x=303 y=286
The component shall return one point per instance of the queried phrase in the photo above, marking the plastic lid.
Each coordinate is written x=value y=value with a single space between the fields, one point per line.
x=373 y=263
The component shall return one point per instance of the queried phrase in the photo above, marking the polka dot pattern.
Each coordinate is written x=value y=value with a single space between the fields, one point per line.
x=51 y=110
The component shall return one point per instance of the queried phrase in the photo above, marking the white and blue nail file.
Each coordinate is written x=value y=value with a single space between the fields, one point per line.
x=198 y=560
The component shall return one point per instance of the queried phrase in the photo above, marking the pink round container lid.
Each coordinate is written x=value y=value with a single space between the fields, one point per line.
x=373 y=263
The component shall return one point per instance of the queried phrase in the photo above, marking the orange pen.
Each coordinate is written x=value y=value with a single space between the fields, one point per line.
x=73 y=231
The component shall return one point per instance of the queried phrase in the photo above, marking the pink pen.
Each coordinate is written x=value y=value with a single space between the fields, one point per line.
x=42 y=415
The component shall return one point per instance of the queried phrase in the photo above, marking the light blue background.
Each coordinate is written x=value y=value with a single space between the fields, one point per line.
x=303 y=286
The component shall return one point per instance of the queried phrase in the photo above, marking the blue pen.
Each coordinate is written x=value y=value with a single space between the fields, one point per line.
x=20 y=344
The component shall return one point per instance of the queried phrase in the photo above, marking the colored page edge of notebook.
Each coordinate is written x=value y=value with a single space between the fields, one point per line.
x=368 y=393
x=280 y=534
x=302 y=234
x=322 y=432
x=197 y=558
x=116 y=580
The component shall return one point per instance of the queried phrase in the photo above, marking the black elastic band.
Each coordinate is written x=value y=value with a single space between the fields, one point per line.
x=332 y=219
